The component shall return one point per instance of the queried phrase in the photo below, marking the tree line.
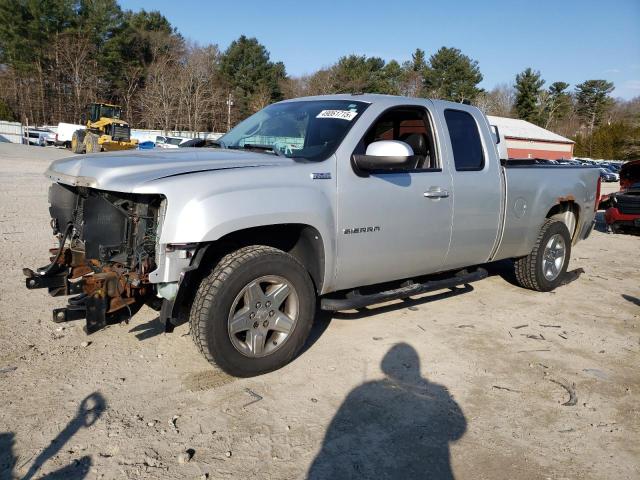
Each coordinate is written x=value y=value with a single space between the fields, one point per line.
x=57 y=56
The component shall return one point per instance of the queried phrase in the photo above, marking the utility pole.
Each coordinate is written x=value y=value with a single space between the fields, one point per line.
x=229 y=103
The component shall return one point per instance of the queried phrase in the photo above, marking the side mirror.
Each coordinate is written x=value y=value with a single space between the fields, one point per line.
x=496 y=134
x=386 y=155
x=83 y=118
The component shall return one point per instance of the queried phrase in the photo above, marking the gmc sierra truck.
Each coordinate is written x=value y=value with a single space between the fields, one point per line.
x=336 y=202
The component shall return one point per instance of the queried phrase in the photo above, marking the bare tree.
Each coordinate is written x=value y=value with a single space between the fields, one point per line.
x=293 y=87
x=260 y=98
x=159 y=99
x=321 y=82
x=198 y=87
x=130 y=88
x=498 y=102
x=76 y=58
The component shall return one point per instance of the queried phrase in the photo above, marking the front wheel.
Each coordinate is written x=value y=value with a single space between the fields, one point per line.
x=254 y=312
x=91 y=143
x=544 y=268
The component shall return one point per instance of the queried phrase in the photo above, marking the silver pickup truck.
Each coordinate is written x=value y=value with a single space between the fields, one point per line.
x=349 y=199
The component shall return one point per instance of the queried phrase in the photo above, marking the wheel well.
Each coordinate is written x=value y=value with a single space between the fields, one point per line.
x=301 y=241
x=567 y=212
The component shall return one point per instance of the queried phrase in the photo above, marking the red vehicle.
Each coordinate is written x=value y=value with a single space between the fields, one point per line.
x=623 y=213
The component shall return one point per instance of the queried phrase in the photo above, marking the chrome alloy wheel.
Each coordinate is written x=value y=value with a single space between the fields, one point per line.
x=263 y=316
x=553 y=257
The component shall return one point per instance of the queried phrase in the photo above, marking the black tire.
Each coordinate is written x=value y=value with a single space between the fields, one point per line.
x=77 y=141
x=215 y=297
x=529 y=270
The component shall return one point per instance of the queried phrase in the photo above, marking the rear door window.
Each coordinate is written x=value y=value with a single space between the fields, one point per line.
x=465 y=140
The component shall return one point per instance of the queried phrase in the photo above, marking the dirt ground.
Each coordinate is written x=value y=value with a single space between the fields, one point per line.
x=465 y=384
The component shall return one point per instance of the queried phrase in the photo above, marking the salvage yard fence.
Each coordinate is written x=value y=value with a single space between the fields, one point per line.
x=10 y=132
x=143 y=135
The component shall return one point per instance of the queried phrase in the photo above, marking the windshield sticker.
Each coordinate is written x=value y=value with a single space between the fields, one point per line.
x=341 y=114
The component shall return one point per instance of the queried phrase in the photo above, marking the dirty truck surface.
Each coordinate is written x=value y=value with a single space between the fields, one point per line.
x=490 y=381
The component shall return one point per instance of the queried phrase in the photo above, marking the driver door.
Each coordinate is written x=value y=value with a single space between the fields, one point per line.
x=394 y=225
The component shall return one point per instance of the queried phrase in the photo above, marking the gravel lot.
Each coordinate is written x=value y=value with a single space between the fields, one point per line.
x=466 y=384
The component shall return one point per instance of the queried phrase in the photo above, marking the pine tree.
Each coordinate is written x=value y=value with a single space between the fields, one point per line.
x=251 y=75
x=450 y=75
x=592 y=102
x=528 y=87
x=555 y=104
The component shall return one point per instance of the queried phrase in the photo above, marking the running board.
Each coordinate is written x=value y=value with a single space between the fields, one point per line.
x=356 y=300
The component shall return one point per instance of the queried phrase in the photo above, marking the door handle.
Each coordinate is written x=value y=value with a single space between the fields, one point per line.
x=436 y=192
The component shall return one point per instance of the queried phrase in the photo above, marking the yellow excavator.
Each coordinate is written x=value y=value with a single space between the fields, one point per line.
x=105 y=131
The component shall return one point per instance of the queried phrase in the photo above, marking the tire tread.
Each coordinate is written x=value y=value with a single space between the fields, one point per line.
x=525 y=267
x=211 y=285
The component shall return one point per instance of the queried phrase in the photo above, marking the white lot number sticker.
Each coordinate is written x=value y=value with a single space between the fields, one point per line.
x=341 y=114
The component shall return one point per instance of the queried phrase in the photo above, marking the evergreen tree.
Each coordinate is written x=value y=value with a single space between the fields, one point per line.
x=528 y=88
x=412 y=82
x=592 y=101
x=418 y=60
x=393 y=77
x=555 y=104
x=450 y=75
x=5 y=112
x=250 y=74
x=359 y=74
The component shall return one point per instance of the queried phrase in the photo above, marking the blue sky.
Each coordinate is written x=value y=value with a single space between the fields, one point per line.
x=571 y=41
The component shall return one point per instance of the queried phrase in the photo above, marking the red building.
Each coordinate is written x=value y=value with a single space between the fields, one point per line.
x=526 y=140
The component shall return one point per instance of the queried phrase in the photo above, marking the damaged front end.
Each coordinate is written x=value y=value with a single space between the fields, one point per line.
x=107 y=248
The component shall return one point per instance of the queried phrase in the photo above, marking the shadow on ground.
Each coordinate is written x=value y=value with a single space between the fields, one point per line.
x=323 y=318
x=89 y=411
x=400 y=304
x=398 y=427
x=504 y=269
x=148 y=329
x=629 y=298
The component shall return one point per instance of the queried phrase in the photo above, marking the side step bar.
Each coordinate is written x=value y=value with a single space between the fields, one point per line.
x=355 y=300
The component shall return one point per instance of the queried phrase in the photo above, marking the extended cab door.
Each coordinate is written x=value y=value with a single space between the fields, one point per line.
x=393 y=225
x=478 y=186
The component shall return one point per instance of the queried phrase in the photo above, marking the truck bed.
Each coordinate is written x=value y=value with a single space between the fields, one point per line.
x=532 y=190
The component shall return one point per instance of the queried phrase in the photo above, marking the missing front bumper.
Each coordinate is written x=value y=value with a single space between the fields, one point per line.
x=98 y=298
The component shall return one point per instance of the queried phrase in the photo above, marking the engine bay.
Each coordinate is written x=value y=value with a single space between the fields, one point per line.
x=106 y=250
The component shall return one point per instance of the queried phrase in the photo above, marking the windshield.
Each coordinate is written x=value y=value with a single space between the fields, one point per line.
x=304 y=129
x=109 y=111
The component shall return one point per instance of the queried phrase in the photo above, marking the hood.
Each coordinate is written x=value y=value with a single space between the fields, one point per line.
x=125 y=170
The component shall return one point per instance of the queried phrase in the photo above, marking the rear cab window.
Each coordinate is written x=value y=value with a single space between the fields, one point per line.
x=468 y=154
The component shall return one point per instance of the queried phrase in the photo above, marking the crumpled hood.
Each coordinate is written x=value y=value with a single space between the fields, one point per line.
x=124 y=170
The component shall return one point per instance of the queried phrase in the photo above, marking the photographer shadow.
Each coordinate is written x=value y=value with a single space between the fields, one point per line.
x=398 y=427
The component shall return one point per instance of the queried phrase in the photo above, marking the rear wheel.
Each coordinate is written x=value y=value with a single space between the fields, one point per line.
x=253 y=313
x=77 y=141
x=544 y=268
